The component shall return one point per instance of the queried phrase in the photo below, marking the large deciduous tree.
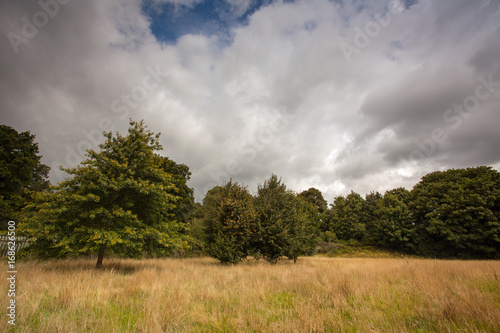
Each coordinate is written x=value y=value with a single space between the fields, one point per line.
x=21 y=172
x=457 y=213
x=120 y=198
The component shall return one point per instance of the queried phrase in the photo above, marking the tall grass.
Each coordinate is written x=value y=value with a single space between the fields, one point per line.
x=199 y=295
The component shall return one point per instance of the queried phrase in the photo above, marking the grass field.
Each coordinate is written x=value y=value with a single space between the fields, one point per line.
x=199 y=295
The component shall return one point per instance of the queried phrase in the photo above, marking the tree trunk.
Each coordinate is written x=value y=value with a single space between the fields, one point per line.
x=101 y=255
x=294 y=259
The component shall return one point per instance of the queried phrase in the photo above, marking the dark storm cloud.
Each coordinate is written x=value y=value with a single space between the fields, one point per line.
x=365 y=124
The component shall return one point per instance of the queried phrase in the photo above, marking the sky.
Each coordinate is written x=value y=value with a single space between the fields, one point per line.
x=338 y=95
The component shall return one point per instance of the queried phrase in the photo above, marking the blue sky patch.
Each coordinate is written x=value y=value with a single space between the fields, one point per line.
x=170 y=21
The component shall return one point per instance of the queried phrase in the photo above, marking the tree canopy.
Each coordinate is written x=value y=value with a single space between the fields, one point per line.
x=120 y=198
x=457 y=213
x=448 y=214
x=180 y=176
x=21 y=172
x=282 y=222
x=394 y=226
x=128 y=199
x=347 y=217
x=229 y=222
x=315 y=198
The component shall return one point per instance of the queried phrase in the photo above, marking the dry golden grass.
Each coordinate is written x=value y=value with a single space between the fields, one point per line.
x=199 y=295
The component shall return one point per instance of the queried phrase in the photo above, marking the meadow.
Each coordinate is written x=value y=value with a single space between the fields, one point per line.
x=199 y=295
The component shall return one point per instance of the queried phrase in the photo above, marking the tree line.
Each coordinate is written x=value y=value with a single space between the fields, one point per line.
x=127 y=200
x=448 y=214
x=274 y=223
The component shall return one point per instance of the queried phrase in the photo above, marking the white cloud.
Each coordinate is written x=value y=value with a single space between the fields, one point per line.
x=349 y=123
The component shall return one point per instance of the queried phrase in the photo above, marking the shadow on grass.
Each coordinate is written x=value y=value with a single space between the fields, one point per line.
x=123 y=266
x=118 y=266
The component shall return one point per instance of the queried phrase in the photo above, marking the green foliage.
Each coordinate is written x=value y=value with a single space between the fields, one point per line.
x=307 y=232
x=395 y=225
x=454 y=213
x=330 y=236
x=197 y=236
x=315 y=209
x=346 y=217
x=119 y=199
x=282 y=219
x=21 y=172
x=180 y=176
x=457 y=213
x=275 y=223
x=369 y=217
x=230 y=222
x=314 y=197
x=129 y=200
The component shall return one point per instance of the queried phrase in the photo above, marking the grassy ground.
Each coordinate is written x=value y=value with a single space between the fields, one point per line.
x=199 y=295
x=355 y=251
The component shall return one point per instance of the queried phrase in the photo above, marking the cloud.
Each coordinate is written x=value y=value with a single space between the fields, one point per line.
x=278 y=96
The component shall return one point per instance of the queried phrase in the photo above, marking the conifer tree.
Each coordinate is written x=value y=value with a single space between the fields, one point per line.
x=282 y=222
x=229 y=222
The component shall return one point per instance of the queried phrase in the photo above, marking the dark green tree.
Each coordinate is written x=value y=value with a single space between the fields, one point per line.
x=347 y=217
x=315 y=198
x=21 y=172
x=395 y=225
x=118 y=199
x=180 y=176
x=315 y=210
x=369 y=217
x=305 y=233
x=282 y=222
x=229 y=222
x=457 y=213
x=196 y=228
